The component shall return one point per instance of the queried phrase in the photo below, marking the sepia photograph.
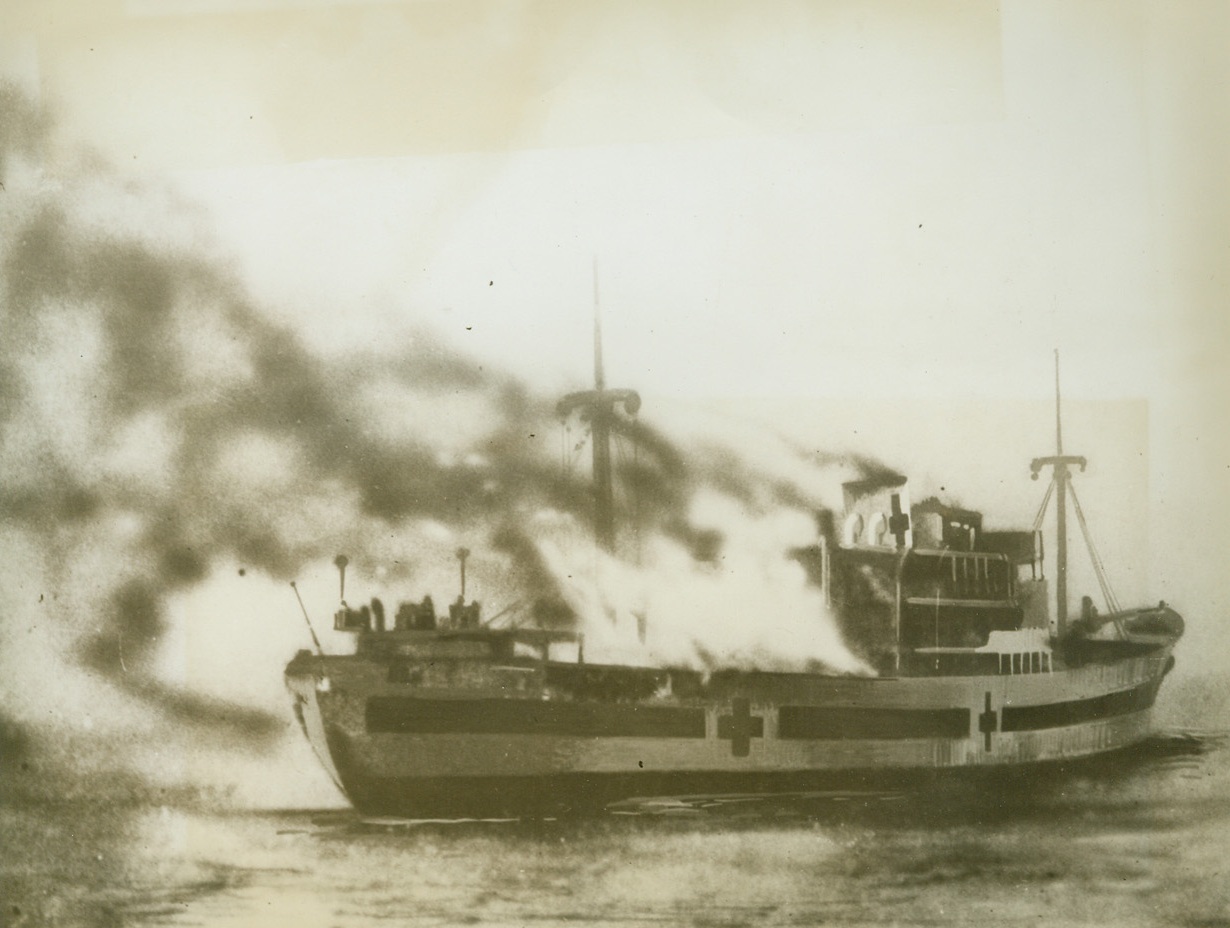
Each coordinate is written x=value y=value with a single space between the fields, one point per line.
x=516 y=462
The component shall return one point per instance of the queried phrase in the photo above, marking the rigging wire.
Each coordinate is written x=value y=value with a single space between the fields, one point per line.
x=1046 y=499
x=567 y=459
x=1099 y=568
x=509 y=611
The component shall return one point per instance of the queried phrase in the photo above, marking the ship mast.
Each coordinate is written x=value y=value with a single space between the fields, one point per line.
x=599 y=407
x=1059 y=463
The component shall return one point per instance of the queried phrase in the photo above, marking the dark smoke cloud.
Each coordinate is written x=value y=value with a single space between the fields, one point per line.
x=141 y=302
x=127 y=341
x=14 y=749
x=24 y=126
x=143 y=312
x=173 y=352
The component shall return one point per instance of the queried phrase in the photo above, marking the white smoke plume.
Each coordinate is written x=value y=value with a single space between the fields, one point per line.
x=751 y=607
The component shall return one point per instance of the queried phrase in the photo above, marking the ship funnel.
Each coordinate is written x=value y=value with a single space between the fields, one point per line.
x=340 y=563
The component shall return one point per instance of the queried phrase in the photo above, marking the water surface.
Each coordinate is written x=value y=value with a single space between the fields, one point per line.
x=1142 y=841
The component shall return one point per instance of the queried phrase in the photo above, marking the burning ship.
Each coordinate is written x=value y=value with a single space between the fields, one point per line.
x=974 y=671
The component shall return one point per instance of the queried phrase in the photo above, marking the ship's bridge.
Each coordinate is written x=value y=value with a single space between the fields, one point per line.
x=913 y=581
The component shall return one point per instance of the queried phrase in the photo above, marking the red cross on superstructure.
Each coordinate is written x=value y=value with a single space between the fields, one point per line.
x=988 y=723
x=740 y=726
x=898 y=521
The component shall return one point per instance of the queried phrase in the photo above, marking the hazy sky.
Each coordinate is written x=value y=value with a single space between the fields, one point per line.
x=880 y=196
x=901 y=200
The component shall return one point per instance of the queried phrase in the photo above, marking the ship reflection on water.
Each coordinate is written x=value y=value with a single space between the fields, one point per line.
x=1132 y=839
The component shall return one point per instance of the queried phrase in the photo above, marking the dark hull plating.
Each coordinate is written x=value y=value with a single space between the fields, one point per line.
x=591 y=793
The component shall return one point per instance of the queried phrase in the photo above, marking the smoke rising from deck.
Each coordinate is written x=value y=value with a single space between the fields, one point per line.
x=157 y=425
x=750 y=607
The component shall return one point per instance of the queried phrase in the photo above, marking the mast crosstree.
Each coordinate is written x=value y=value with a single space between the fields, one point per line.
x=599 y=406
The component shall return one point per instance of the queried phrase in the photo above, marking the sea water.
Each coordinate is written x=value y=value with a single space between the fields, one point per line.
x=1141 y=841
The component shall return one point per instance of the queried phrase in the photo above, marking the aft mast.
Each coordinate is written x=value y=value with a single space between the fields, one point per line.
x=1059 y=463
x=598 y=406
